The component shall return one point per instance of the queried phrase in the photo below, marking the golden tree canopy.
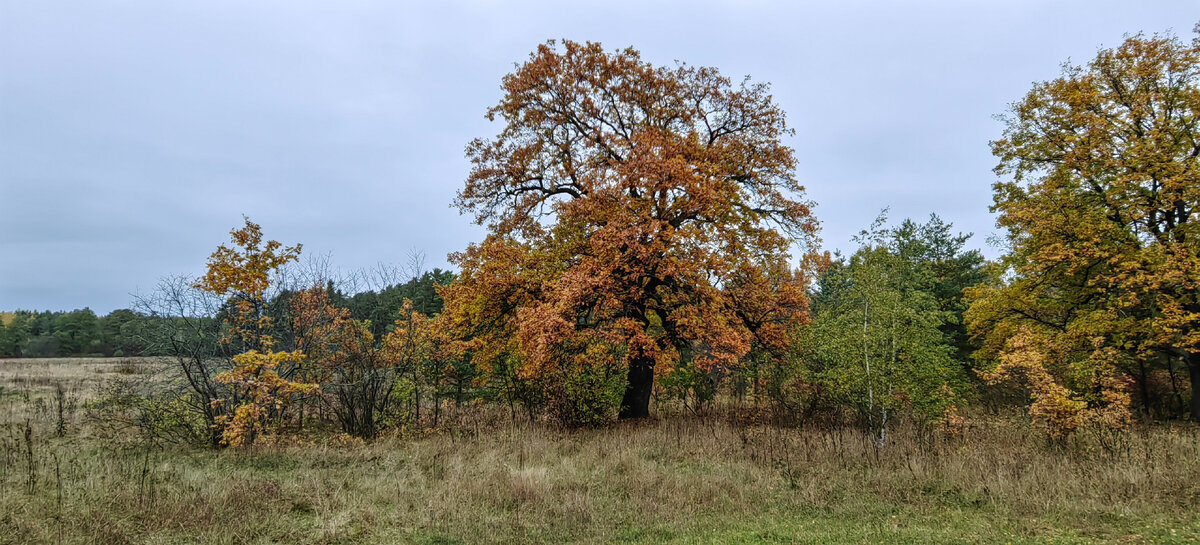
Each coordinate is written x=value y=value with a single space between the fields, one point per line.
x=1102 y=205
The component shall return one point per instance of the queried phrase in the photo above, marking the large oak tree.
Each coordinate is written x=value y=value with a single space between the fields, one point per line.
x=634 y=214
x=1101 y=202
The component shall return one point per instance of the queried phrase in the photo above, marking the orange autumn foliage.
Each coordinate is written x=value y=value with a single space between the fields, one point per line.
x=1056 y=408
x=358 y=376
x=635 y=216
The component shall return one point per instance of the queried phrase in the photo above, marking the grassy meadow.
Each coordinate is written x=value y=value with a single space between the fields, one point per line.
x=486 y=479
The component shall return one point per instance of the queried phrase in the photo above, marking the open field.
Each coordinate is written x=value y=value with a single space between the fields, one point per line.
x=674 y=479
x=39 y=376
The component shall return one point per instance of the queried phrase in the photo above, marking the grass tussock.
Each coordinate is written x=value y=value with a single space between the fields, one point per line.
x=673 y=479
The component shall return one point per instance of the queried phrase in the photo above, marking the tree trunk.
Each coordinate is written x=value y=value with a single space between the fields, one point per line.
x=636 y=402
x=1178 y=408
x=1193 y=365
x=1145 y=388
x=416 y=399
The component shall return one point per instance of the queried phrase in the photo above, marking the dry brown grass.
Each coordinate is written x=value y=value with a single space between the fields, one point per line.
x=40 y=375
x=677 y=479
x=36 y=386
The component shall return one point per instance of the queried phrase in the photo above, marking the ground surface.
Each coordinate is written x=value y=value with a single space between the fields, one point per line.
x=673 y=479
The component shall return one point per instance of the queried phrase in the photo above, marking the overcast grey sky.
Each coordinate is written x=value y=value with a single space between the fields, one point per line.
x=135 y=134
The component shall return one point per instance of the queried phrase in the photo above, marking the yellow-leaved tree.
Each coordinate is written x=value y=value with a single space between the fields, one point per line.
x=1100 y=196
x=262 y=393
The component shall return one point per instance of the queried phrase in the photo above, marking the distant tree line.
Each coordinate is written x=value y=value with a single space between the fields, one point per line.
x=130 y=332
x=47 y=334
